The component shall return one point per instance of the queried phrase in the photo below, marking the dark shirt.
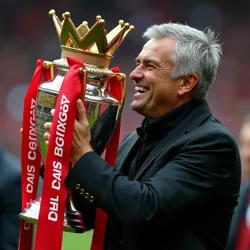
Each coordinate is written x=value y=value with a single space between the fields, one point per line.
x=152 y=132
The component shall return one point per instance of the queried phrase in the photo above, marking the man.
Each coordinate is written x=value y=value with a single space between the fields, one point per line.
x=240 y=229
x=10 y=206
x=176 y=180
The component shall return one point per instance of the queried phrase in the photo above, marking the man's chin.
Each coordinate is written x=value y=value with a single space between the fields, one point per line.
x=136 y=108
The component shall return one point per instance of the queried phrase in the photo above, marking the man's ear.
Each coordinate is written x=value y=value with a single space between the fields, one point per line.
x=188 y=83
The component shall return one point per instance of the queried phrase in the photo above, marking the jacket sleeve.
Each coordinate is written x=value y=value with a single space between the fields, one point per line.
x=199 y=173
x=86 y=206
x=87 y=209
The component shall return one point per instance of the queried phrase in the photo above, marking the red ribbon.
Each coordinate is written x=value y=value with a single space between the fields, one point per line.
x=115 y=88
x=51 y=217
x=30 y=154
x=243 y=237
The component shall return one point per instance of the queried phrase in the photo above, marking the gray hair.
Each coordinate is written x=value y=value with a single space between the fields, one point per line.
x=195 y=52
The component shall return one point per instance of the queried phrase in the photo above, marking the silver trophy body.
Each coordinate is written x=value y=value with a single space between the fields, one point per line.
x=103 y=113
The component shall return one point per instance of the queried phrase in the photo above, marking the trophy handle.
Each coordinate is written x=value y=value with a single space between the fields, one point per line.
x=84 y=75
x=121 y=77
x=49 y=65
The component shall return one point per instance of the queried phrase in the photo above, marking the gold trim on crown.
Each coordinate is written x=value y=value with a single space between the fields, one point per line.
x=89 y=42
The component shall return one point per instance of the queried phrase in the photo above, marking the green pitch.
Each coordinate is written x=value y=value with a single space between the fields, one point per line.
x=73 y=241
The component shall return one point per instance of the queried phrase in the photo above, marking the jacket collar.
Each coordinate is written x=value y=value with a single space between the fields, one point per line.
x=159 y=128
x=199 y=115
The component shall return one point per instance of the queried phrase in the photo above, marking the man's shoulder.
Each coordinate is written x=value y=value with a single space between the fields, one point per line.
x=212 y=126
x=212 y=133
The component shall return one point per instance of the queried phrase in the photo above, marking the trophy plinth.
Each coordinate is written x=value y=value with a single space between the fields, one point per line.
x=72 y=218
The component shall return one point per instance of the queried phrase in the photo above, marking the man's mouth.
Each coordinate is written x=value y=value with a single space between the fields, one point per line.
x=141 y=90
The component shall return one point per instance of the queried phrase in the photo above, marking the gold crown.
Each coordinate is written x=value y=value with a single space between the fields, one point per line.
x=89 y=41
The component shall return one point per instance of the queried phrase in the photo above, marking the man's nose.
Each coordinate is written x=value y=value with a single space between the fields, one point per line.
x=136 y=74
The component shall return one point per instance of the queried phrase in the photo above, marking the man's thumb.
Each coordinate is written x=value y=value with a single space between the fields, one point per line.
x=81 y=112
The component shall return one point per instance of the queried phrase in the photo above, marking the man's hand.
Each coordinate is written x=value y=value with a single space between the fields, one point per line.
x=81 y=136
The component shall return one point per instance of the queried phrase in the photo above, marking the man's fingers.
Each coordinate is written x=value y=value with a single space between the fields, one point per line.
x=47 y=136
x=81 y=111
x=47 y=125
x=52 y=112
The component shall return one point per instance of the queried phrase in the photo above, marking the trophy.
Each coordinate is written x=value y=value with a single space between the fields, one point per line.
x=94 y=48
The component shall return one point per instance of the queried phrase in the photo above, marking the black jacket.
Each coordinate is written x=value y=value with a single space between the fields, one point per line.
x=182 y=197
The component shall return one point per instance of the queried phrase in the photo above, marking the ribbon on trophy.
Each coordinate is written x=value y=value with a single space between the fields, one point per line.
x=115 y=88
x=51 y=217
x=30 y=154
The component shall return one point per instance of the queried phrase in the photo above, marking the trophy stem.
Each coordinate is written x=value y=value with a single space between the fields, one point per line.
x=72 y=218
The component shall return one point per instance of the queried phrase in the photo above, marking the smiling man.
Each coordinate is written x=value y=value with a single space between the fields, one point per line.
x=176 y=180
x=155 y=86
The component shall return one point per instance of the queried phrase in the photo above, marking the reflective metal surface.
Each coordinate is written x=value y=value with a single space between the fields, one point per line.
x=72 y=218
x=103 y=112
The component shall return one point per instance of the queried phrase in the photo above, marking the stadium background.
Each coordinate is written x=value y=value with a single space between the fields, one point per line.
x=27 y=34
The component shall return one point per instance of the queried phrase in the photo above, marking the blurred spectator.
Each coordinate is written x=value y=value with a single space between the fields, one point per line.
x=29 y=34
x=244 y=142
x=239 y=237
x=10 y=195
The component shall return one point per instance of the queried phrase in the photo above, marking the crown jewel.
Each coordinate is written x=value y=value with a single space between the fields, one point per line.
x=92 y=39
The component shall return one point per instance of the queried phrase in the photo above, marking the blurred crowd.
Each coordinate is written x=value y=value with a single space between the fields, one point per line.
x=28 y=34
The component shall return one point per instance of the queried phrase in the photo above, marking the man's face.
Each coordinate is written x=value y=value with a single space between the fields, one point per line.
x=156 y=92
x=244 y=143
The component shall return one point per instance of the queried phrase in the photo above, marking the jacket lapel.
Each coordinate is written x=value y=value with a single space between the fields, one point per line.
x=197 y=116
x=125 y=149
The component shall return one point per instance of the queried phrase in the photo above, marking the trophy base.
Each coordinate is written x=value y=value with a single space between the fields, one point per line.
x=72 y=218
